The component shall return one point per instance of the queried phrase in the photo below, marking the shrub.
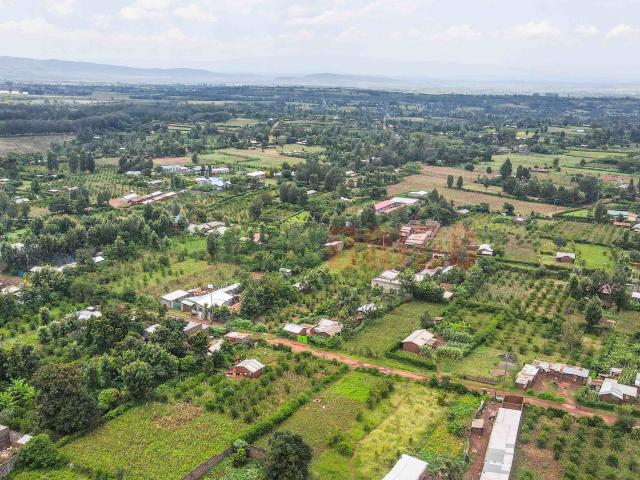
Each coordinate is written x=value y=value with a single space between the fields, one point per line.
x=40 y=452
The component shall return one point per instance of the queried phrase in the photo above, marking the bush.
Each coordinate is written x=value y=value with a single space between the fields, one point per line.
x=40 y=452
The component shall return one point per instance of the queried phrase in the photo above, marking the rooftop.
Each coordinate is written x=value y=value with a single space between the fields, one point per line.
x=407 y=468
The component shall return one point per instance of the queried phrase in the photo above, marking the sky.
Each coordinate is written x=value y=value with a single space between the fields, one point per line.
x=594 y=40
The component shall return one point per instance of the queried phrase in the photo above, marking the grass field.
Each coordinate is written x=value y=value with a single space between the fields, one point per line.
x=359 y=257
x=434 y=177
x=30 y=144
x=352 y=439
x=269 y=158
x=166 y=440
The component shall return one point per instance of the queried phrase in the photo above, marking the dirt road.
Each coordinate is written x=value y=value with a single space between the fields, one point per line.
x=571 y=408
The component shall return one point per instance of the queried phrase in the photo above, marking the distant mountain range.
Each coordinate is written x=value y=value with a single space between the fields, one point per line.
x=31 y=70
x=422 y=77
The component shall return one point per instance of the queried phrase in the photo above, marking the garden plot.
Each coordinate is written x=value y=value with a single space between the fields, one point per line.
x=382 y=334
x=358 y=431
x=553 y=447
x=605 y=234
x=197 y=418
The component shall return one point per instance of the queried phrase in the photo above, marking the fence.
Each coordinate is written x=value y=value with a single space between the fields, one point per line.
x=202 y=469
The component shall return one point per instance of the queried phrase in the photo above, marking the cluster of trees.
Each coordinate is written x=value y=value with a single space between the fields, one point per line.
x=584 y=189
x=62 y=237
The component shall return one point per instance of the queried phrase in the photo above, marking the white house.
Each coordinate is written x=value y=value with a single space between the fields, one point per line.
x=485 y=249
x=388 y=280
x=407 y=468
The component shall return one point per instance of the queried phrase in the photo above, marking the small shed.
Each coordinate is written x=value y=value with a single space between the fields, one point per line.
x=477 y=426
x=565 y=257
x=237 y=337
x=418 y=339
x=250 y=368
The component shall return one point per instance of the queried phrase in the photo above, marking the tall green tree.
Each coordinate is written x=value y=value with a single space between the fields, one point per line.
x=63 y=401
x=592 y=313
x=287 y=458
x=506 y=169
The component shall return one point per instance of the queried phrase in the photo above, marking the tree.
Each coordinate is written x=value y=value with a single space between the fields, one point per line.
x=506 y=169
x=63 y=401
x=459 y=182
x=52 y=161
x=287 y=458
x=368 y=217
x=138 y=378
x=199 y=343
x=508 y=209
x=194 y=158
x=592 y=313
x=600 y=213
x=449 y=181
x=212 y=245
x=170 y=335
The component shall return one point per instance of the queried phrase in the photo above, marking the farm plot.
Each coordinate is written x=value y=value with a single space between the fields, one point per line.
x=105 y=178
x=381 y=334
x=553 y=447
x=537 y=297
x=30 y=144
x=604 y=234
x=200 y=417
x=352 y=424
x=427 y=181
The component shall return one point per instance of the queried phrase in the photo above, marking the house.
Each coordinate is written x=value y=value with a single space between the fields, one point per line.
x=175 y=169
x=408 y=468
x=565 y=257
x=613 y=392
x=133 y=173
x=147 y=332
x=394 y=203
x=447 y=295
x=259 y=174
x=485 y=249
x=285 y=271
x=98 y=259
x=88 y=313
x=191 y=328
x=250 y=368
x=237 y=337
x=426 y=272
x=220 y=170
x=388 y=281
x=365 y=310
x=464 y=211
x=215 y=346
x=201 y=305
x=418 y=339
x=334 y=247
x=295 y=330
x=635 y=296
x=563 y=372
x=502 y=445
x=173 y=299
x=10 y=444
x=327 y=328
x=311 y=192
x=527 y=376
x=217 y=182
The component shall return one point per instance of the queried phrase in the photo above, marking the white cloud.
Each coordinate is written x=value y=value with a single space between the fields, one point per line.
x=61 y=7
x=587 y=30
x=457 y=33
x=146 y=9
x=195 y=13
x=543 y=30
x=623 y=32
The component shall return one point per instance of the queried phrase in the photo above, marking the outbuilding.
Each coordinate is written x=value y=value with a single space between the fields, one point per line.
x=250 y=368
x=417 y=340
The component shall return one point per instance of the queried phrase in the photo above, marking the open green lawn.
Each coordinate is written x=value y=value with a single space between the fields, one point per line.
x=594 y=256
x=381 y=334
x=47 y=474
